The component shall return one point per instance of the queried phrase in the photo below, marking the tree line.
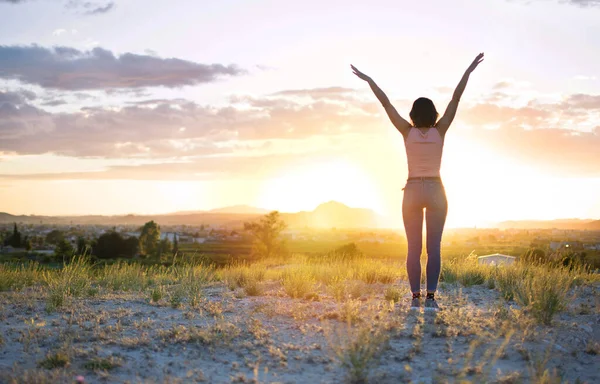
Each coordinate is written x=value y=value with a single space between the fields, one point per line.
x=265 y=234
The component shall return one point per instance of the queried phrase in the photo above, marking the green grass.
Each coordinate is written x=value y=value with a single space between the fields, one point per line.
x=73 y=280
x=298 y=282
x=102 y=364
x=55 y=360
x=123 y=276
x=545 y=292
x=344 y=273
x=540 y=289
x=392 y=294
x=15 y=276
x=357 y=350
x=465 y=272
x=241 y=275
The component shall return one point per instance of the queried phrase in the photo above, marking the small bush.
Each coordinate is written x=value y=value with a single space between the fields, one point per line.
x=344 y=254
x=55 y=360
x=337 y=289
x=358 y=350
x=544 y=292
x=73 y=280
x=297 y=283
x=18 y=276
x=157 y=294
x=190 y=280
x=123 y=276
x=392 y=294
x=467 y=272
x=253 y=288
x=102 y=364
x=371 y=273
x=509 y=277
x=238 y=276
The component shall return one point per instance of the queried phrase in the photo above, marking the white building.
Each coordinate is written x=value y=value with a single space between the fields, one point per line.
x=496 y=259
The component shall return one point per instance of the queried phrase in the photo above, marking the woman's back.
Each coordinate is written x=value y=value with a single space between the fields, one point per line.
x=424 y=152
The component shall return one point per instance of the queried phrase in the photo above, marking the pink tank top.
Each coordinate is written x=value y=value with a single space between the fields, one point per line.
x=424 y=152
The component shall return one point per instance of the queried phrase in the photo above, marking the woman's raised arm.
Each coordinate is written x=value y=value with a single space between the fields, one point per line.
x=444 y=123
x=401 y=125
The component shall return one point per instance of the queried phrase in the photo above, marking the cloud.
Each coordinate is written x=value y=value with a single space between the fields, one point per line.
x=581 y=3
x=331 y=93
x=563 y=151
x=238 y=167
x=153 y=128
x=502 y=85
x=253 y=131
x=54 y=103
x=58 y=32
x=16 y=98
x=582 y=101
x=71 y=69
x=90 y=7
x=583 y=77
x=100 y=9
x=584 y=3
x=493 y=114
x=80 y=6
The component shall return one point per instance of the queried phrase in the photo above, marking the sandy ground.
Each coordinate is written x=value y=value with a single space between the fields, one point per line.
x=118 y=338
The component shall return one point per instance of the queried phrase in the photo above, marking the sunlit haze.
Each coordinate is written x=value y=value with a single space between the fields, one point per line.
x=157 y=107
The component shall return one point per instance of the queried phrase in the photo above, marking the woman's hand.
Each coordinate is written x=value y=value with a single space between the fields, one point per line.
x=360 y=75
x=475 y=63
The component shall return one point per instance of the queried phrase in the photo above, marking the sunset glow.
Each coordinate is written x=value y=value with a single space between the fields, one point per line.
x=146 y=107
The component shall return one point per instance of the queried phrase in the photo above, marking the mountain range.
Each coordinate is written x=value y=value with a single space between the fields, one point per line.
x=580 y=224
x=326 y=215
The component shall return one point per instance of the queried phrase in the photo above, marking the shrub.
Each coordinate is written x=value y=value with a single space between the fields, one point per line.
x=392 y=294
x=73 y=280
x=297 y=283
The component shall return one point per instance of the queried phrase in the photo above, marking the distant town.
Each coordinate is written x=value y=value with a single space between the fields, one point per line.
x=221 y=232
x=39 y=237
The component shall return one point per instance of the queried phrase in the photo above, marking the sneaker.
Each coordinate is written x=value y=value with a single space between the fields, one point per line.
x=415 y=304
x=430 y=303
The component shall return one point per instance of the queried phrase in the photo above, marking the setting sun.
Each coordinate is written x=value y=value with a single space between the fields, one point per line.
x=304 y=188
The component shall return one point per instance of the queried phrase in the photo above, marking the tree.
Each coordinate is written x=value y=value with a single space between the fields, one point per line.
x=150 y=238
x=15 y=239
x=54 y=237
x=164 y=246
x=534 y=255
x=64 y=250
x=82 y=245
x=112 y=245
x=266 y=235
x=175 y=245
x=132 y=246
x=27 y=245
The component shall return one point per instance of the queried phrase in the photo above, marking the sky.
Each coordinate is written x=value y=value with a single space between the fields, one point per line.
x=131 y=106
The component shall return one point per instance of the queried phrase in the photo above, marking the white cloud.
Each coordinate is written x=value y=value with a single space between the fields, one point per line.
x=583 y=77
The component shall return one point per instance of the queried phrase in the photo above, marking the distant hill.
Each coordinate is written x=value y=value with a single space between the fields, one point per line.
x=334 y=214
x=579 y=224
x=327 y=215
x=8 y=218
x=244 y=209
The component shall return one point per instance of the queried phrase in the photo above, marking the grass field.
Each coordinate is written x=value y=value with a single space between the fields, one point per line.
x=389 y=250
x=310 y=317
